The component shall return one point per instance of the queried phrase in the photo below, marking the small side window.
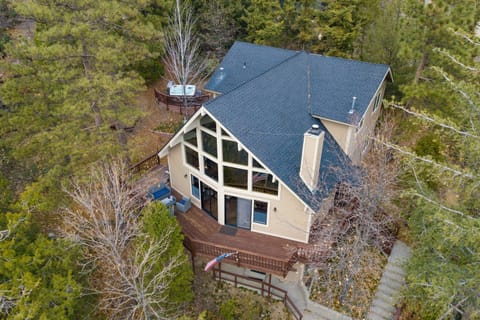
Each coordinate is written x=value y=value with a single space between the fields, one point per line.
x=195 y=187
x=376 y=102
x=260 y=210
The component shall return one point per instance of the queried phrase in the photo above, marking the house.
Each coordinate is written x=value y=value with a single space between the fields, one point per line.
x=259 y=160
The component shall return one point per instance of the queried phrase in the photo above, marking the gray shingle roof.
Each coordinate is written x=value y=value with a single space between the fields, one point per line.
x=335 y=81
x=265 y=106
x=257 y=60
x=271 y=120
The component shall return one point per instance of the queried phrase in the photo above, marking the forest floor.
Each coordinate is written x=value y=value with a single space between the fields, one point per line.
x=145 y=139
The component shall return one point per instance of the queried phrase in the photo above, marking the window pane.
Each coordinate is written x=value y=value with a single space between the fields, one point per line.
x=263 y=182
x=231 y=153
x=375 y=104
x=211 y=168
x=209 y=144
x=224 y=133
x=195 y=187
x=191 y=137
x=237 y=178
x=191 y=157
x=208 y=122
x=260 y=210
x=256 y=164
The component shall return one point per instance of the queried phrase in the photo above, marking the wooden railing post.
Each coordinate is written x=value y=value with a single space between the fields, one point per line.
x=269 y=284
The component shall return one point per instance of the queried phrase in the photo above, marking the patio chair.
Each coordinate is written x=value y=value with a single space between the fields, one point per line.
x=184 y=204
x=159 y=192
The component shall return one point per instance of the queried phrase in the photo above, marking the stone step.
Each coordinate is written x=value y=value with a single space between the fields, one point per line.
x=387 y=290
x=388 y=307
x=381 y=312
x=378 y=314
x=394 y=277
x=389 y=298
x=395 y=269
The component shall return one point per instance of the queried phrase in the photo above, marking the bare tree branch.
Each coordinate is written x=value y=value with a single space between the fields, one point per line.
x=433 y=120
x=105 y=219
x=425 y=160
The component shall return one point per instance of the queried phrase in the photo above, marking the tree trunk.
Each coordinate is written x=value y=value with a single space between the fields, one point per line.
x=421 y=67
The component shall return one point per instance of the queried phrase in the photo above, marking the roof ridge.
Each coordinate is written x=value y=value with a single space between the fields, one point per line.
x=348 y=59
x=297 y=53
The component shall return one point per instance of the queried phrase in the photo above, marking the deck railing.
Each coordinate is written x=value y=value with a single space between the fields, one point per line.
x=191 y=101
x=146 y=163
x=241 y=258
x=265 y=289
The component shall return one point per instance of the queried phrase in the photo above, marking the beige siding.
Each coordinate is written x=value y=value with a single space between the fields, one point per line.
x=288 y=221
x=353 y=140
x=360 y=142
x=339 y=131
x=178 y=170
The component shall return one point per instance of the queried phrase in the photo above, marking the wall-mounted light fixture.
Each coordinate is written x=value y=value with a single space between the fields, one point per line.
x=274 y=209
x=185 y=176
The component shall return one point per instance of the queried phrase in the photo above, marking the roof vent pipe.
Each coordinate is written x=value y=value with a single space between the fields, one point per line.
x=244 y=65
x=352 y=110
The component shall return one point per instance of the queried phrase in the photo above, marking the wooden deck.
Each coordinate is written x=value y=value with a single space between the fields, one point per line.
x=205 y=237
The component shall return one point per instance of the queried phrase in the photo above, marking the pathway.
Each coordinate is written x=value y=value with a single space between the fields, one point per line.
x=391 y=283
x=386 y=296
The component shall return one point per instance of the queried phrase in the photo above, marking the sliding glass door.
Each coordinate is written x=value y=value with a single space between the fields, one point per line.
x=209 y=200
x=238 y=212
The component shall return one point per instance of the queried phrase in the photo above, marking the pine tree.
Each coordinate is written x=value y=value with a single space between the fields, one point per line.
x=39 y=276
x=71 y=84
x=443 y=211
x=343 y=24
x=264 y=22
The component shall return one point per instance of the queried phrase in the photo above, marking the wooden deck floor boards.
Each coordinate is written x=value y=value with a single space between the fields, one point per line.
x=197 y=225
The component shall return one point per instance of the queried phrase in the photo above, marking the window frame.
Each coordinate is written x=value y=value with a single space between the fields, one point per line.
x=266 y=212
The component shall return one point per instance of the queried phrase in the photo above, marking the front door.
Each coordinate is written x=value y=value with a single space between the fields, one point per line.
x=209 y=200
x=238 y=212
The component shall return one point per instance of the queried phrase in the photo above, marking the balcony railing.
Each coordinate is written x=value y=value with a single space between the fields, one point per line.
x=264 y=288
x=241 y=258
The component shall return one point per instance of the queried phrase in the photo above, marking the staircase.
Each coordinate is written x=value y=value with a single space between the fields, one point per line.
x=389 y=288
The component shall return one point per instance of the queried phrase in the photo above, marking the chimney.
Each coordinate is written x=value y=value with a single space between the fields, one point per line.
x=311 y=156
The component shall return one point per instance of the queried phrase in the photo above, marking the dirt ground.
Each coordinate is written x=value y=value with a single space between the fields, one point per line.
x=144 y=141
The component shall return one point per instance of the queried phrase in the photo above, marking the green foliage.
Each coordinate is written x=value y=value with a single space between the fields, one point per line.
x=217 y=27
x=242 y=309
x=39 y=275
x=287 y=24
x=343 y=25
x=442 y=215
x=429 y=145
x=227 y=310
x=6 y=194
x=264 y=22
x=157 y=221
x=72 y=82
